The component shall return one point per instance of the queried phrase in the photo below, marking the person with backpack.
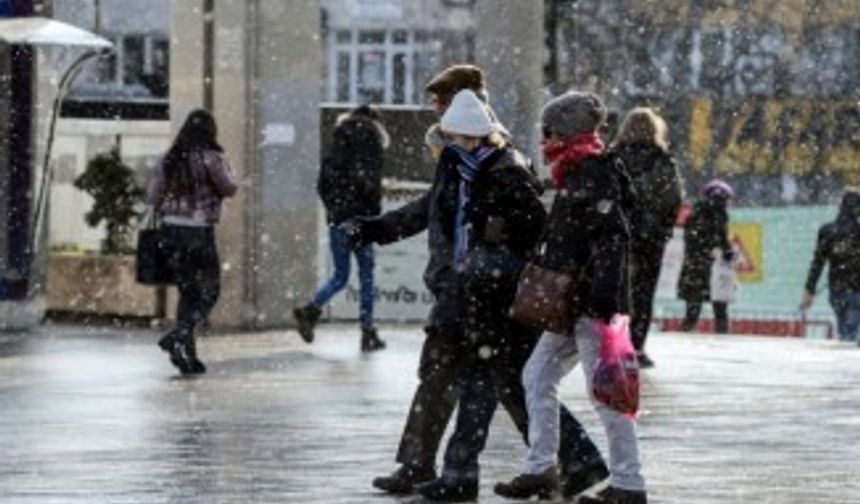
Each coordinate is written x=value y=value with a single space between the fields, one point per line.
x=186 y=189
x=350 y=184
x=643 y=147
x=839 y=246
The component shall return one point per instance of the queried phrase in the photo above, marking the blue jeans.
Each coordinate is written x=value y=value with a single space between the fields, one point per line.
x=340 y=255
x=846 y=305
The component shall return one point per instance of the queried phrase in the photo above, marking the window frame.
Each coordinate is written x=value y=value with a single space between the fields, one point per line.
x=389 y=48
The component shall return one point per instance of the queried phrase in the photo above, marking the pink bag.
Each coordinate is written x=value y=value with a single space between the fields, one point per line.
x=616 y=376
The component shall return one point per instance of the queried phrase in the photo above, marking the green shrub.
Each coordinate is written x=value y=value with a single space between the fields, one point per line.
x=117 y=195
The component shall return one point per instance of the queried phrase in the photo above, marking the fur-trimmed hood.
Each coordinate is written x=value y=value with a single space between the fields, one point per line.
x=366 y=122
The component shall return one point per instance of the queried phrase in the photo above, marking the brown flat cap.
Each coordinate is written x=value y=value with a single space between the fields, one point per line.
x=456 y=78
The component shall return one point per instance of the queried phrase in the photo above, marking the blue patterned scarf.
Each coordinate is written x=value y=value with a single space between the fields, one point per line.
x=468 y=166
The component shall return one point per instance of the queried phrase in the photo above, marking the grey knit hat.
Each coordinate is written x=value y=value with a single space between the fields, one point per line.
x=572 y=113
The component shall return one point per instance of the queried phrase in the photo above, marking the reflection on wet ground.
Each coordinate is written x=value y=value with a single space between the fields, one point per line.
x=94 y=415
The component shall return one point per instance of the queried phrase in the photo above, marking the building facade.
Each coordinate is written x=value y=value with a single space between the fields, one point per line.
x=760 y=92
x=137 y=70
x=383 y=51
x=378 y=51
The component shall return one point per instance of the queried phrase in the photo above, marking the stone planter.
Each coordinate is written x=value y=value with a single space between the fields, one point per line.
x=98 y=285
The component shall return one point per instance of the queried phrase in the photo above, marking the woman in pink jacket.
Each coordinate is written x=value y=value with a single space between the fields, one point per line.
x=186 y=189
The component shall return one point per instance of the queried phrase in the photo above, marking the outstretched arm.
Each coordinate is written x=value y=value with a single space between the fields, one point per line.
x=822 y=252
x=406 y=221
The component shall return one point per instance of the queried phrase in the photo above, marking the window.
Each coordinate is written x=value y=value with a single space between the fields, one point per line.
x=138 y=68
x=132 y=59
x=379 y=66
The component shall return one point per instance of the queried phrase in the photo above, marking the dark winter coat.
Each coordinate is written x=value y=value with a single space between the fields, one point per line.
x=705 y=230
x=839 y=244
x=349 y=183
x=659 y=191
x=588 y=235
x=413 y=218
x=434 y=212
x=506 y=217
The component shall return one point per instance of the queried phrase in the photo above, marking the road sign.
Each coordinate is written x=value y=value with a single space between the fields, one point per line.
x=746 y=240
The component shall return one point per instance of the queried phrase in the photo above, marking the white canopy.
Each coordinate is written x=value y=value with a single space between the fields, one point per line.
x=41 y=31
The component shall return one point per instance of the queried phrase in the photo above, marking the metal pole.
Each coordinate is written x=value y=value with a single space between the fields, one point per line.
x=97 y=24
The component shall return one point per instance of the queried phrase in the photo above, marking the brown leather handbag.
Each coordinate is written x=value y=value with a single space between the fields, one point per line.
x=545 y=299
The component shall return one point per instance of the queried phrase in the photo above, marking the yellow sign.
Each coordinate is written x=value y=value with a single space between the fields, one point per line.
x=746 y=240
x=767 y=137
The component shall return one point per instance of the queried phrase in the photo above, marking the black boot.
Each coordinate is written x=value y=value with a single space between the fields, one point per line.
x=576 y=482
x=370 y=341
x=405 y=479
x=645 y=362
x=525 y=486
x=612 y=495
x=306 y=319
x=450 y=489
x=195 y=365
x=178 y=351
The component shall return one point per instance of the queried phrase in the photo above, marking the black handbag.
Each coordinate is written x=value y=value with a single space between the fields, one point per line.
x=153 y=259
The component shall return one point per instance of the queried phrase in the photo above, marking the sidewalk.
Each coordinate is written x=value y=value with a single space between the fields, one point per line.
x=99 y=416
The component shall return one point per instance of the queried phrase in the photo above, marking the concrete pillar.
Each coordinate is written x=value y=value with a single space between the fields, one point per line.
x=265 y=94
x=509 y=45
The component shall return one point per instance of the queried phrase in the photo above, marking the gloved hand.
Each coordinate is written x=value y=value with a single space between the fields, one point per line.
x=359 y=231
x=807 y=299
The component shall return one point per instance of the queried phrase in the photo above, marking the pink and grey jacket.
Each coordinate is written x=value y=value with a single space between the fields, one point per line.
x=213 y=181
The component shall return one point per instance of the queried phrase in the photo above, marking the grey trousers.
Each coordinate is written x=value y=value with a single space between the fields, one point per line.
x=553 y=358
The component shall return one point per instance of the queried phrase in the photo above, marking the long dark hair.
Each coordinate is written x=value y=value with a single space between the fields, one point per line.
x=197 y=134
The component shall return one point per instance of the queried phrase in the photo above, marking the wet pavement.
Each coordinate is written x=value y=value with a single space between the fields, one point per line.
x=95 y=415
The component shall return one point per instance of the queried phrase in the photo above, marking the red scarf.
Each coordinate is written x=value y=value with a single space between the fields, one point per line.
x=565 y=156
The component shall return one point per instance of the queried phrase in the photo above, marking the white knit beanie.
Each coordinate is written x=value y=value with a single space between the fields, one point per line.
x=467 y=115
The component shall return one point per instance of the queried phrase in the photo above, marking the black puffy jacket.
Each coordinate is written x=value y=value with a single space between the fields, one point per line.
x=839 y=244
x=504 y=205
x=705 y=230
x=349 y=183
x=659 y=190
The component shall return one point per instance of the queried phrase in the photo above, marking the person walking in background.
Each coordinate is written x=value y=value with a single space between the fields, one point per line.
x=350 y=184
x=186 y=189
x=643 y=146
x=490 y=210
x=706 y=230
x=839 y=245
